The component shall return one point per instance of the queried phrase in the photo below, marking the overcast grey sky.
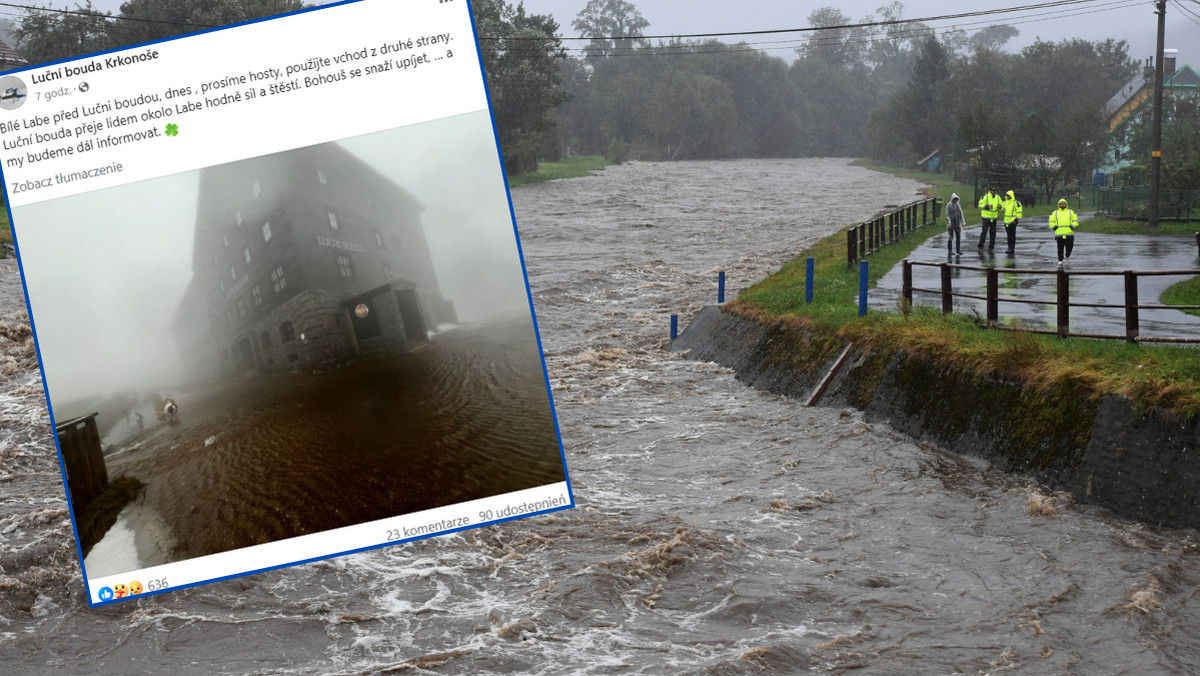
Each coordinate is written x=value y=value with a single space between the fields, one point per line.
x=1129 y=20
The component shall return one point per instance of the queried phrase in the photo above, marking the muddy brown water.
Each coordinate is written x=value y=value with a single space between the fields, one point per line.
x=720 y=530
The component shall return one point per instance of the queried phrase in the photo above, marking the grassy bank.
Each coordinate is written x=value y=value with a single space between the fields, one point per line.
x=572 y=167
x=1167 y=377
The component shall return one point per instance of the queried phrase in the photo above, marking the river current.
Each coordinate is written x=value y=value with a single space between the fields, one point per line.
x=718 y=529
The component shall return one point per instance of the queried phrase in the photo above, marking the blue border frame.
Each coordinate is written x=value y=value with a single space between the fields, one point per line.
x=528 y=294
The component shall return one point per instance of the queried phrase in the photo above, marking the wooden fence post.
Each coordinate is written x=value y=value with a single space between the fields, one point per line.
x=1131 y=306
x=947 y=299
x=993 y=300
x=906 y=284
x=851 y=246
x=1064 y=307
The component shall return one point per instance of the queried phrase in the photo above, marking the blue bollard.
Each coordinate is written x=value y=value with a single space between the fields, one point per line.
x=720 y=287
x=674 y=327
x=808 y=280
x=862 y=289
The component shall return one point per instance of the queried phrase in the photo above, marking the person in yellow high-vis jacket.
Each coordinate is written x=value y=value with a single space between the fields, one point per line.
x=1013 y=211
x=1063 y=222
x=989 y=208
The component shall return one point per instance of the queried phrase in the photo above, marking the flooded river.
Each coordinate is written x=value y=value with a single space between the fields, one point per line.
x=719 y=530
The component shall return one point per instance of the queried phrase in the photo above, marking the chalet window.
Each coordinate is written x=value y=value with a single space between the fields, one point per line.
x=247 y=255
x=257 y=189
x=345 y=266
x=257 y=293
x=267 y=231
x=322 y=177
x=277 y=280
x=379 y=240
x=225 y=238
x=239 y=218
x=387 y=271
x=216 y=258
x=233 y=273
x=286 y=334
x=333 y=221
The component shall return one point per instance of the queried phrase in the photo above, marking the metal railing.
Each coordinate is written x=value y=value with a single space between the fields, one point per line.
x=1062 y=300
x=1133 y=203
x=866 y=238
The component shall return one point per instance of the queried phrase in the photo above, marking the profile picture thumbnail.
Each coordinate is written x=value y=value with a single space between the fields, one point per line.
x=12 y=92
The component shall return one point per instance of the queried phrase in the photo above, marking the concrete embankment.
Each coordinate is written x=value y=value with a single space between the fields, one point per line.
x=1141 y=464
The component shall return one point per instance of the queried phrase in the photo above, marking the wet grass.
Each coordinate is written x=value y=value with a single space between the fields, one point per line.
x=102 y=512
x=1107 y=225
x=1154 y=376
x=572 y=167
x=1184 y=293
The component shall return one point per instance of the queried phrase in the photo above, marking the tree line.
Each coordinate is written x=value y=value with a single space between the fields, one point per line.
x=895 y=92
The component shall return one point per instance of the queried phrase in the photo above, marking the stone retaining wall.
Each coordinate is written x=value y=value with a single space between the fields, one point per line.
x=1140 y=464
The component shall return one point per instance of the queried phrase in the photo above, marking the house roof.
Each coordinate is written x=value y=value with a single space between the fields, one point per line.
x=1122 y=97
x=1184 y=77
x=8 y=56
x=1137 y=91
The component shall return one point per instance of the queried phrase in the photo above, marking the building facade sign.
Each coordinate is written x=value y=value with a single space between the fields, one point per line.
x=339 y=244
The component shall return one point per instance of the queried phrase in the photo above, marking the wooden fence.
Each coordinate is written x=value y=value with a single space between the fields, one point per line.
x=1062 y=301
x=867 y=238
x=79 y=441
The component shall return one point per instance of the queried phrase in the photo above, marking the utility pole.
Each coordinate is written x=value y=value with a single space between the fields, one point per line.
x=1156 y=130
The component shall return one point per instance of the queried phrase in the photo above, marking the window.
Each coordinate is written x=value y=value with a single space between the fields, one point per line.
x=241 y=306
x=345 y=266
x=333 y=222
x=257 y=296
x=387 y=271
x=322 y=177
x=232 y=273
x=379 y=239
x=222 y=286
x=277 y=280
x=286 y=334
x=264 y=338
x=267 y=231
x=247 y=255
x=216 y=258
x=225 y=238
x=239 y=218
x=257 y=190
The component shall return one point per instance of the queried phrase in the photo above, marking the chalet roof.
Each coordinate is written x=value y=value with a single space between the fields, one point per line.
x=1122 y=96
x=10 y=57
x=1184 y=77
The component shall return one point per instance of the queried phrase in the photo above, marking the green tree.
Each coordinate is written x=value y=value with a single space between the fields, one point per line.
x=46 y=36
x=520 y=58
x=614 y=26
x=993 y=38
x=49 y=36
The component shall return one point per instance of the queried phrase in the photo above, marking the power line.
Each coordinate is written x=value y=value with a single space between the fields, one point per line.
x=98 y=15
x=1187 y=12
x=810 y=29
x=809 y=42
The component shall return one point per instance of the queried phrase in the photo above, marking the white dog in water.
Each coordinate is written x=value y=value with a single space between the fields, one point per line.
x=170 y=409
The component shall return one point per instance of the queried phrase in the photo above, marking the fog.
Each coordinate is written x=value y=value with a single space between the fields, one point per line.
x=105 y=271
x=1131 y=21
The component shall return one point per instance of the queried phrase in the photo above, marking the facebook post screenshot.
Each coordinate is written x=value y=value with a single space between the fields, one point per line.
x=277 y=294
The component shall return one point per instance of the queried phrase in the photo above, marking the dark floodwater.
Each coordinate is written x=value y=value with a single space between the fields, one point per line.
x=720 y=530
x=466 y=417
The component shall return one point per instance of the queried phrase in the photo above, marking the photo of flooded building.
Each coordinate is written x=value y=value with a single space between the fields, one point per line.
x=304 y=260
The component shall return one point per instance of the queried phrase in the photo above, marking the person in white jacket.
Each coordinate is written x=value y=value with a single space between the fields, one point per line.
x=954 y=225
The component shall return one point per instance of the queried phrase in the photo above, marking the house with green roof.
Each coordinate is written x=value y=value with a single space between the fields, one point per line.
x=1135 y=99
